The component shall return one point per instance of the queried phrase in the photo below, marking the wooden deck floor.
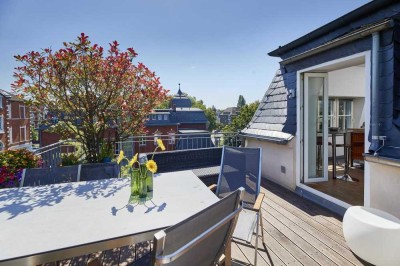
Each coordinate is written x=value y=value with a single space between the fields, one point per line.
x=297 y=232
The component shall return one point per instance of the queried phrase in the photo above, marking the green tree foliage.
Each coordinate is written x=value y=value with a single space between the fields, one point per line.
x=165 y=103
x=212 y=119
x=241 y=102
x=243 y=118
x=197 y=103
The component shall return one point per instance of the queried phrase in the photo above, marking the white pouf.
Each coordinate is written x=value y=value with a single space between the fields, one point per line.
x=373 y=235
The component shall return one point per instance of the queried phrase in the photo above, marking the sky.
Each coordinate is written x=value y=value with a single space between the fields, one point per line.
x=216 y=49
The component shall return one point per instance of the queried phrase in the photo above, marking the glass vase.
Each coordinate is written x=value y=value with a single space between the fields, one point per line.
x=135 y=188
x=149 y=183
x=142 y=188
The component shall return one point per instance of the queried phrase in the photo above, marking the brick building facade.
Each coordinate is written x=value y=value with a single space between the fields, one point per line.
x=14 y=122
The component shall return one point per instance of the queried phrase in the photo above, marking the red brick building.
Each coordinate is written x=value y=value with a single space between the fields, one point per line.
x=173 y=124
x=14 y=122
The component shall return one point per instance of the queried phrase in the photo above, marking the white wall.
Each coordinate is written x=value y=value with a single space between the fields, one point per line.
x=385 y=188
x=358 y=112
x=273 y=157
x=347 y=82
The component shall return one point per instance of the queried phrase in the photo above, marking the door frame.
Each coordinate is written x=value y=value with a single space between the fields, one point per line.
x=299 y=109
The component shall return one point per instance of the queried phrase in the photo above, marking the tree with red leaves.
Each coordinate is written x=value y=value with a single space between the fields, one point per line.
x=90 y=90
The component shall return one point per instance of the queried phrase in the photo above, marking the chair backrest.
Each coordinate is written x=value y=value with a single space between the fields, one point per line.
x=240 y=167
x=202 y=238
x=97 y=171
x=46 y=176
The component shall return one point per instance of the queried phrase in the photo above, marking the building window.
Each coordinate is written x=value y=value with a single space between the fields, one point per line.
x=1 y=144
x=22 y=132
x=340 y=114
x=345 y=114
x=171 y=138
x=153 y=117
x=159 y=117
x=165 y=117
x=2 y=123
x=142 y=140
x=22 y=111
x=1 y=101
x=9 y=115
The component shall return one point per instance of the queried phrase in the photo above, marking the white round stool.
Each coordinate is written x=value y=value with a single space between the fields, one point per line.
x=373 y=235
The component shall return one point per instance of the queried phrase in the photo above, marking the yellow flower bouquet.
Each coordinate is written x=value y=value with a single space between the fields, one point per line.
x=141 y=173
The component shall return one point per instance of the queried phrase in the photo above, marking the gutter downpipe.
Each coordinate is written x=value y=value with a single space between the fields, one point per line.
x=375 y=94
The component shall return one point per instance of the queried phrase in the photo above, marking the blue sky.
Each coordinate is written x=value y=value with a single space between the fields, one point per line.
x=216 y=49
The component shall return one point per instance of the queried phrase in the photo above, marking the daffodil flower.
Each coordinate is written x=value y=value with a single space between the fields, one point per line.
x=161 y=144
x=133 y=160
x=120 y=156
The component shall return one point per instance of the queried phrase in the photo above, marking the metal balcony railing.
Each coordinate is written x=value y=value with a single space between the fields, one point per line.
x=52 y=154
x=173 y=142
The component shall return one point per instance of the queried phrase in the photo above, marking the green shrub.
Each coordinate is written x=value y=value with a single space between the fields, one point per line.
x=70 y=159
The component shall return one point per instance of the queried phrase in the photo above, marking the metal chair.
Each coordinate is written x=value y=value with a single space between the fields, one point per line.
x=241 y=167
x=46 y=176
x=202 y=238
x=96 y=171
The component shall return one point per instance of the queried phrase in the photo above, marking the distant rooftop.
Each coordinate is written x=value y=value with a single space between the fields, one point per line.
x=180 y=100
x=10 y=96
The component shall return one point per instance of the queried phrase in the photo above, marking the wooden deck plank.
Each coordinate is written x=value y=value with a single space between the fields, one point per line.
x=277 y=253
x=66 y=262
x=270 y=257
x=248 y=251
x=238 y=258
x=304 y=218
x=313 y=238
x=313 y=252
x=111 y=257
x=290 y=195
x=127 y=255
x=142 y=249
x=318 y=213
x=322 y=235
x=293 y=249
x=78 y=261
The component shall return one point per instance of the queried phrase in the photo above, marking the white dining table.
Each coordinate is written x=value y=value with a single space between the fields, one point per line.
x=53 y=222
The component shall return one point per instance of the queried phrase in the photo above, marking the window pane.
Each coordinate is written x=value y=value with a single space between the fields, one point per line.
x=348 y=122
x=341 y=123
x=348 y=107
x=341 y=107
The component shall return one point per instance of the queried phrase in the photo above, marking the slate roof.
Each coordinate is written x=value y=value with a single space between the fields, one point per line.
x=231 y=110
x=190 y=115
x=270 y=120
x=181 y=101
x=180 y=116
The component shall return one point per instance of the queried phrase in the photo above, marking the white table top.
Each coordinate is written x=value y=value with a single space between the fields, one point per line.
x=41 y=219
